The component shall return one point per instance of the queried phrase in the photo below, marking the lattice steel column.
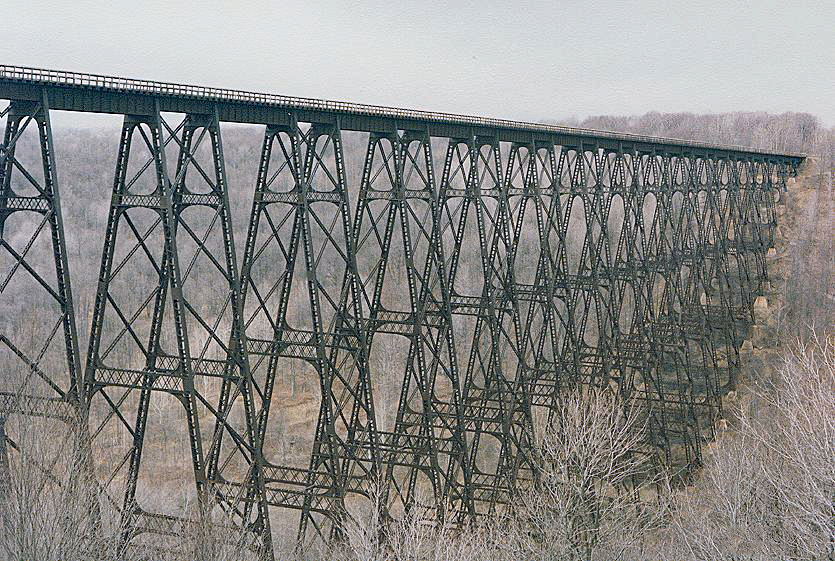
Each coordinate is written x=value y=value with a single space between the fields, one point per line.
x=162 y=252
x=31 y=194
x=503 y=392
x=41 y=377
x=301 y=205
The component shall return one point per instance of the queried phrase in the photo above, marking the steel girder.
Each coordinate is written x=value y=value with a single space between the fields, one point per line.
x=483 y=292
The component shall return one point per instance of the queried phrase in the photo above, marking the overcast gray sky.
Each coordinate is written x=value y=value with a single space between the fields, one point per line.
x=524 y=60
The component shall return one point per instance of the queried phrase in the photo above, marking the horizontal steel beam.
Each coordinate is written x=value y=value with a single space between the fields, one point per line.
x=74 y=91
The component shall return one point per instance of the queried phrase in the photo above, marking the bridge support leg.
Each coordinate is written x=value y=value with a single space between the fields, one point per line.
x=167 y=324
x=41 y=388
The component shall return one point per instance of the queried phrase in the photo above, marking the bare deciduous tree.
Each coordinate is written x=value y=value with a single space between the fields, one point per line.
x=48 y=508
x=768 y=489
x=594 y=471
x=412 y=537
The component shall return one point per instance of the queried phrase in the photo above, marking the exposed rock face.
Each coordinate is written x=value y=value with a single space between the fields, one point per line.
x=787 y=302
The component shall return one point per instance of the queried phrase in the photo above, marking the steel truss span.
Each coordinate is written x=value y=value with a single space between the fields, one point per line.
x=479 y=266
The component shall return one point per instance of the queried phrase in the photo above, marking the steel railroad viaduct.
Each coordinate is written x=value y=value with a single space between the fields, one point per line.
x=503 y=261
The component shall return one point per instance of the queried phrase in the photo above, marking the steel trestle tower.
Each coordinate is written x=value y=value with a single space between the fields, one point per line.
x=481 y=266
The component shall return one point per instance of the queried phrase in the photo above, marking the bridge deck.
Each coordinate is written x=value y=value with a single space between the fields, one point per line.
x=75 y=91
